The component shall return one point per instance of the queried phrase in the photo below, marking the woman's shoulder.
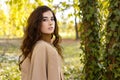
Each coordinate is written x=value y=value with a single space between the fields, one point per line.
x=42 y=44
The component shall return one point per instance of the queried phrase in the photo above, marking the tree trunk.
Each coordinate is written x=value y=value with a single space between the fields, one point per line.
x=112 y=59
x=76 y=27
x=90 y=40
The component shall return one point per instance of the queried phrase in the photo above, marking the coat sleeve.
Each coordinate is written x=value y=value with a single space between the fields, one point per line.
x=53 y=65
x=38 y=63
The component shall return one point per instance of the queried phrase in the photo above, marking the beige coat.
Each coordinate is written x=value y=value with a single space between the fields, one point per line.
x=45 y=63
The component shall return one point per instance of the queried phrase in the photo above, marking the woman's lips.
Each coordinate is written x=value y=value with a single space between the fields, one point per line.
x=50 y=28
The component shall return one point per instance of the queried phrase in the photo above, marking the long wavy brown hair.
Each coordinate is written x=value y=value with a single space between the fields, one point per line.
x=32 y=32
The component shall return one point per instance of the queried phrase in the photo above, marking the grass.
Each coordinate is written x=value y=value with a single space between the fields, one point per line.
x=72 y=64
x=71 y=52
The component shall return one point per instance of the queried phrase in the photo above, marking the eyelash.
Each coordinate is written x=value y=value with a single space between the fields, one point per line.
x=44 y=19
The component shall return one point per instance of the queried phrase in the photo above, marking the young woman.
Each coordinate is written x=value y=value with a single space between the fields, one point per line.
x=41 y=52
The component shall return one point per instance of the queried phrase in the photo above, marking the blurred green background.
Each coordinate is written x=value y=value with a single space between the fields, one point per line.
x=13 y=19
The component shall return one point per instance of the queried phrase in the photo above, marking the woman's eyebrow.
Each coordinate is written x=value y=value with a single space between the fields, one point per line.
x=47 y=17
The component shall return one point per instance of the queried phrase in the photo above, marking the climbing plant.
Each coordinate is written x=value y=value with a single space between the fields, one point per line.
x=112 y=51
x=90 y=39
x=100 y=39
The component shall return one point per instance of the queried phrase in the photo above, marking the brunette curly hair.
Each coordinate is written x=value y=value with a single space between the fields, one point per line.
x=32 y=32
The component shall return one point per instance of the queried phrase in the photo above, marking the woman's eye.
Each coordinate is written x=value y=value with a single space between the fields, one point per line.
x=44 y=19
x=52 y=19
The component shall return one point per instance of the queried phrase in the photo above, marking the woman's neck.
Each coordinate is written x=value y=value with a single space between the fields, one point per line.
x=46 y=37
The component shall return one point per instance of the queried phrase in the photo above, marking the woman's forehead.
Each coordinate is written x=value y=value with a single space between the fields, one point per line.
x=48 y=14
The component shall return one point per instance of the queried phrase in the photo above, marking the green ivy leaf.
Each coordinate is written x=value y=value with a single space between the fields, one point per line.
x=113 y=25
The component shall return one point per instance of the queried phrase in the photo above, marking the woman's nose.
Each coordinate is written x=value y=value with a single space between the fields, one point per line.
x=50 y=22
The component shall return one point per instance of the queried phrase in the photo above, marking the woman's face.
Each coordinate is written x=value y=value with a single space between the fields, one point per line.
x=48 y=23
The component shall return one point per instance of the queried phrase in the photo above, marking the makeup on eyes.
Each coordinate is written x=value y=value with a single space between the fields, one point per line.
x=47 y=18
